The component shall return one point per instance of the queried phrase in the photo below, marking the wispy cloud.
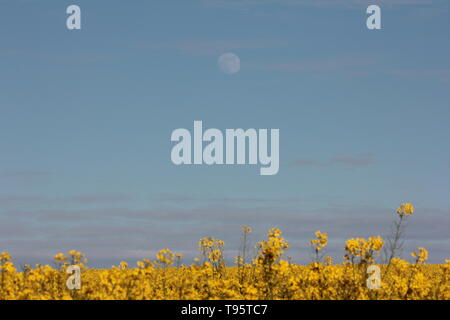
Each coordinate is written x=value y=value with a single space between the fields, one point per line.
x=430 y=12
x=317 y=3
x=307 y=162
x=197 y=199
x=358 y=160
x=98 y=198
x=442 y=74
x=12 y=200
x=205 y=47
x=26 y=178
x=322 y=65
x=24 y=174
x=212 y=47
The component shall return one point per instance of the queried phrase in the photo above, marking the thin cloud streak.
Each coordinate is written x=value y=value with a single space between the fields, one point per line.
x=196 y=199
x=349 y=4
x=442 y=74
x=26 y=176
x=205 y=47
x=12 y=200
x=318 y=65
x=358 y=160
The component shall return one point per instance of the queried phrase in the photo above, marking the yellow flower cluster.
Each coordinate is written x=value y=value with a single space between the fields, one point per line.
x=406 y=209
x=211 y=251
x=421 y=255
x=320 y=241
x=270 y=250
x=165 y=257
x=246 y=229
x=5 y=263
x=362 y=249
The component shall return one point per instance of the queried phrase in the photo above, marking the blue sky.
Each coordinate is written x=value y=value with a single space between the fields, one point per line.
x=86 y=119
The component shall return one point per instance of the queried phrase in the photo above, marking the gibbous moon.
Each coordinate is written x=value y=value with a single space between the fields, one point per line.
x=229 y=63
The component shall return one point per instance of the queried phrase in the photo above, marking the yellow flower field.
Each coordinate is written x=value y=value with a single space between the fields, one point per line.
x=269 y=275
